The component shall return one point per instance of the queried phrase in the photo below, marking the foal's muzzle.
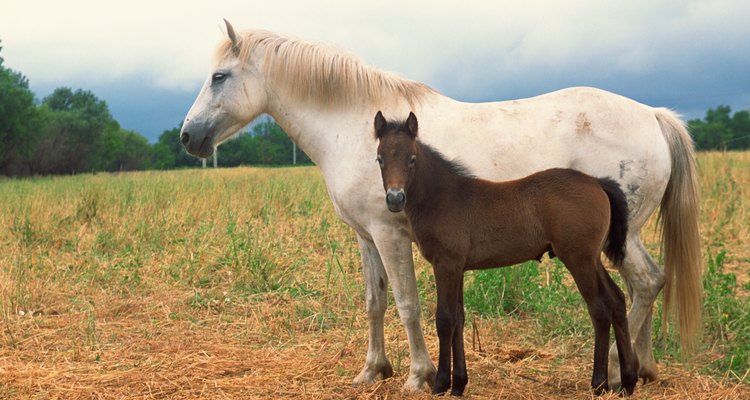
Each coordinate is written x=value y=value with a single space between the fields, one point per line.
x=395 y=199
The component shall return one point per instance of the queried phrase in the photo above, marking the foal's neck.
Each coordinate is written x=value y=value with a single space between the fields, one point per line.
x=434 y=177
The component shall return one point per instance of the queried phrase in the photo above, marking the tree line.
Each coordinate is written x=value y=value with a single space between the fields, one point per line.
x=721 y=130
x=72 y=131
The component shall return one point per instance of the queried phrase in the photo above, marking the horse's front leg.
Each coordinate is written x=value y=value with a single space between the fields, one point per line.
x=394 y=247
x=376 y=300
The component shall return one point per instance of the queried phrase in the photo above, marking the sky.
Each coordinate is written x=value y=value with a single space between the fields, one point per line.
x=148 y=59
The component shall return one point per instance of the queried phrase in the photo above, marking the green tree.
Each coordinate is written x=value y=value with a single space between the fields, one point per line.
x=265 y=144
x=124 y=150
x=740 y=126
x=720 y=130
x=19 y=121
x=76 y=124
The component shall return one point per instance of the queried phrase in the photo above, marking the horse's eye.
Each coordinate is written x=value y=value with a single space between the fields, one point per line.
x=380 y=161
x=218 y=77
x=412 y=160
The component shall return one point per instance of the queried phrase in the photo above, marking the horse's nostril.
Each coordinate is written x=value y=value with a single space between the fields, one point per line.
x=185 y=138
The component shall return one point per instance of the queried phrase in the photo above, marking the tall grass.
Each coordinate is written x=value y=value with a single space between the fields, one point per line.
x=219 y=239
x=265 y=245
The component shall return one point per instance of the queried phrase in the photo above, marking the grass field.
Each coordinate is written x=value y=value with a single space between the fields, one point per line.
x=243 y=283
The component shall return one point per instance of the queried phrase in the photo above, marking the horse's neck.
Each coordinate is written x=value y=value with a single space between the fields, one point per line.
x=322 y=134
x=331 y=134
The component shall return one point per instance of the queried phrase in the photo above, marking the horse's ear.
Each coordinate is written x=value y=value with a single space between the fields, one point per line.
x=232 y=37
x=411 y=123
x=379 y=124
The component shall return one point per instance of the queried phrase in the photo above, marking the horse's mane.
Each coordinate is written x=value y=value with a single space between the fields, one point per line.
x=315 y=72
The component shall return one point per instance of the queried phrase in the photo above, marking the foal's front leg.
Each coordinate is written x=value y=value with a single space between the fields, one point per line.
x=460 y=377
x=449 y=280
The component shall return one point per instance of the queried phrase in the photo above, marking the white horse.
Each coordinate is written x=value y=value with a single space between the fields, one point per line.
x=325 y=99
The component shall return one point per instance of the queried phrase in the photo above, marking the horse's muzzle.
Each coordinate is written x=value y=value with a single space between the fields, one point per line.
x=395 y=199
x=199 y=145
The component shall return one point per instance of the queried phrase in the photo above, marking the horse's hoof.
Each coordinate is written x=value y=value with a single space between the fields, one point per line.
x=648 y=374
x=415 y=384
x=419 y=377
x=370 y=375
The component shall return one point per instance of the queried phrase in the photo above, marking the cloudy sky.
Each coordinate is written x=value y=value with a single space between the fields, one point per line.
x=148 y=59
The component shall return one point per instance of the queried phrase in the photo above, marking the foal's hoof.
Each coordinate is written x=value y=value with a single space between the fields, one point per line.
x=626 y=390
x=459 y=384
x=600 y=390
x=440 y=388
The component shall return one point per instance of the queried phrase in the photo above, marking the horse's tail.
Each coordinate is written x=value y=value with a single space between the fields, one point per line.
x=678 y=215
x=614 y=248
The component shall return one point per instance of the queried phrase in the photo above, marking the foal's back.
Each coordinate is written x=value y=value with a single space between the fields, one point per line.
x=558 y=210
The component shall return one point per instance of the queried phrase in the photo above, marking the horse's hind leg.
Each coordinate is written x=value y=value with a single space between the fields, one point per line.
x=644 y=280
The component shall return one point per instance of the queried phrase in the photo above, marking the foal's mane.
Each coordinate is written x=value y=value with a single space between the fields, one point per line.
x=454 y=166
x=320 y=73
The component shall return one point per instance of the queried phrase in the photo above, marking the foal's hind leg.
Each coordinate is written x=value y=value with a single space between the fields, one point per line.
x=586 y=277
x=644 y=280
x=627 y=359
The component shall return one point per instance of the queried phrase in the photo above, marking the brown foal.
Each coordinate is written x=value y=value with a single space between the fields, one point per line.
x=461 y=223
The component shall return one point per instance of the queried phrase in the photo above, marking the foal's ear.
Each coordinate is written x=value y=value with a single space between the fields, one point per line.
x=379 y=124
x=411 y=123
x=232 y=37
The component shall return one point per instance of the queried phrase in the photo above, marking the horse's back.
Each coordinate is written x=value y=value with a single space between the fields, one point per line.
x=590 y=130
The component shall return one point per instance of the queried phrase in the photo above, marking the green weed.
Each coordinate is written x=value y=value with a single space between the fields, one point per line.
x=529 y=290
x=727 y=318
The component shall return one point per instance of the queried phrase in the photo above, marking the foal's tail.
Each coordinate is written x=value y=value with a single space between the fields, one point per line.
x=614 y=249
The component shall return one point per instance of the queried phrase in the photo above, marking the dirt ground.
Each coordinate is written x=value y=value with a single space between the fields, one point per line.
x=161 y=348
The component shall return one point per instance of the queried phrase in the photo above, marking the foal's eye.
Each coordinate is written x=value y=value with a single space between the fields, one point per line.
x=412 y=160
x=218 y=77
x=380 y=161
